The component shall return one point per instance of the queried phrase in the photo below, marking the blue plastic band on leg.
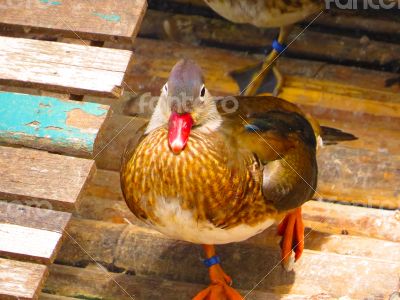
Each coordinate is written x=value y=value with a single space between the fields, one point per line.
x=278 y=46
x=214 y=260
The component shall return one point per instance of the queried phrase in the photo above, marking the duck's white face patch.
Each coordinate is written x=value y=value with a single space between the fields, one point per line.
x=180 y=224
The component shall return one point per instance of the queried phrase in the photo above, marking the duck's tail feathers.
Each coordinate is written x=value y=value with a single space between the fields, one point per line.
x=332 y=136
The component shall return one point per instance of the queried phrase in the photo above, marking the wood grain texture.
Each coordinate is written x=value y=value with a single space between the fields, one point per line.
x=346 y=219
x=146 y=253
x=95 y=283
x=21 y=280
x=60 y=67
x=47 y=180
x=47 y=123
x=29 y=233
x=35 y=216
x=95 y=20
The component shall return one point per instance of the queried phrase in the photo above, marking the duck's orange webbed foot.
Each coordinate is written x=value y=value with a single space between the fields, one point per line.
x=292 y=231
x=219 y=288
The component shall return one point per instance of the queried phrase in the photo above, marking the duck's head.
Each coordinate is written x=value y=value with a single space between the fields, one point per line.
x=184 y=104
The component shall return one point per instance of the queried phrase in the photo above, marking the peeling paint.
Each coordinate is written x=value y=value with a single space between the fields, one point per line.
x=35 y=117
x=50 y=2
x=110 y=18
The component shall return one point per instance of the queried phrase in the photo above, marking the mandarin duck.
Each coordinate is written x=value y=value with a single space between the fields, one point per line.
x=267 y=14
x=210 y=171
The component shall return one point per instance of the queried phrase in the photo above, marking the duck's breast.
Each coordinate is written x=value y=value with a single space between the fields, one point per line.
x=199 y=195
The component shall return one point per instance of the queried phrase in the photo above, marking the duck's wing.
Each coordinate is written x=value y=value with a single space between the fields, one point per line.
x=283 y=140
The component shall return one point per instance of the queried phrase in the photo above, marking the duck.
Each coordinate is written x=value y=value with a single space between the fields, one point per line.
x=216 y=170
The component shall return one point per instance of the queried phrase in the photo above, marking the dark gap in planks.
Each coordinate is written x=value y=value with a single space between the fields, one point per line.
x=78 y=264
x=182 y=8
x=355 y=33
x=343 y=202
x=391 y=67
x=83 y=264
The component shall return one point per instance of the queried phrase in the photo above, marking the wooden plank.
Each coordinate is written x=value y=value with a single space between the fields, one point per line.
x=367 y=22
x=359 y=176
x=89 y=19
x=61 y=67
x=156 y=255
x=346 y=219
x=21 y=280
x=95 y=283
x=47 y=123
x=49 y=180
x=29 y=233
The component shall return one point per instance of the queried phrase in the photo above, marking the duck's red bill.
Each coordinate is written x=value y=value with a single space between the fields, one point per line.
x=179 y=130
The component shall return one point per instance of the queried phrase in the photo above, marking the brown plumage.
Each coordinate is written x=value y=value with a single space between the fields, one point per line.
x=219 y=175
x=265 y=13
x=204 y=173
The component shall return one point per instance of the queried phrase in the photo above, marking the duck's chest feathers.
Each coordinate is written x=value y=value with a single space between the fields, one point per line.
x=204 y=184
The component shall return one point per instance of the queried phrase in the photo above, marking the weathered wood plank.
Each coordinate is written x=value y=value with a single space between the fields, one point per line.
x=140 y=250
x=47 y=123
x=367 y=22
x=21 y=280
x=25 y=243
x=37 y=216
x=60 y=67
x=50 y=180
x=95 y=283
x=89 y=19
x=28 y=233
x=347 y=219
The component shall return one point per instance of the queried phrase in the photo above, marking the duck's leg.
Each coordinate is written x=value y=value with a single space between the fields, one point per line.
x=219 y=288
x=292 y=231
x=268 y=64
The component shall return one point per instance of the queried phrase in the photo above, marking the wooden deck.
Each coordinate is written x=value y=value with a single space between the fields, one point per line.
x=344 y=70
x=47 y=137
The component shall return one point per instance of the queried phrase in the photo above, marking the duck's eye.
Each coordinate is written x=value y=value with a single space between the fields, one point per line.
x=165 y=88
x=203 y=91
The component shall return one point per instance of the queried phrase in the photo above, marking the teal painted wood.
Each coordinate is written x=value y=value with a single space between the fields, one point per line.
x=110 y=18
x=63 y=126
